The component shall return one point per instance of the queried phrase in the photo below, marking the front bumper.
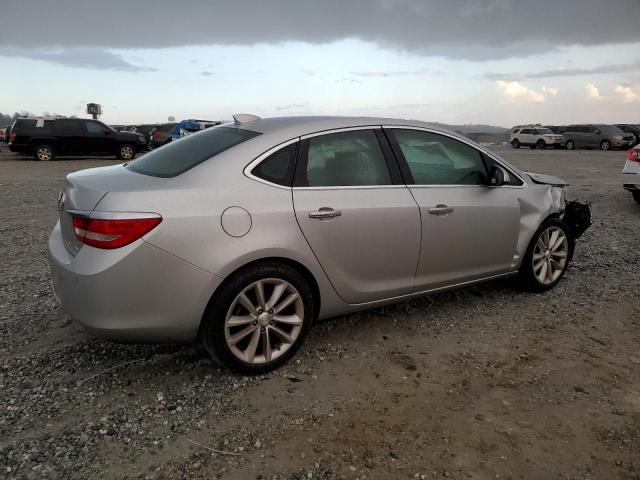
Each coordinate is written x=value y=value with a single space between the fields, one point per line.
x=137 y=293
x=622 y=143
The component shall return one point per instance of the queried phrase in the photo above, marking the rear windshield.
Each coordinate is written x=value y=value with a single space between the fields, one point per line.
x=183 y=154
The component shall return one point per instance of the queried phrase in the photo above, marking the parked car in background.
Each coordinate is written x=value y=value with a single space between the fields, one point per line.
x=7 y=133
x=189 y=126
x=535 y=137
x=261 y=226
x=2 y=133
x=144 y=129
x=631 y=173
x=160 y=135
x=632 y=129
x=557 y=129
x=46 y=138
x=604 y=137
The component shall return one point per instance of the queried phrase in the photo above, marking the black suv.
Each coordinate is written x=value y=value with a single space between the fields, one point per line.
x=46 y=138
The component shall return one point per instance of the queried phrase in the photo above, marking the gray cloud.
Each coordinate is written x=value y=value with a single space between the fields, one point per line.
x=206 y=73
x=471 y=29
x=77 y=57
x=391 y=73
x=567 y=72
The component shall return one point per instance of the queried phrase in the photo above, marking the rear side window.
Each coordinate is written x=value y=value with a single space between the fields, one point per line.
x=278 y=167
x=68 y=127
x=183 y=154
x=352 y=158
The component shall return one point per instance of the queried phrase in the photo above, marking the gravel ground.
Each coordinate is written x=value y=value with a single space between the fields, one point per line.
x=484 y=382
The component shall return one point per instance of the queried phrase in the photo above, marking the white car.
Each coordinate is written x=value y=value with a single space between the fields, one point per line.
x=536 y=137
x=631 y=173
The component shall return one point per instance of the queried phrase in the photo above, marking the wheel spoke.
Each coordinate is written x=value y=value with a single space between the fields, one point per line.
x=278 y=290
x=250 y=352
x=558 y=243
x=288 y=319
x=260 y=294
x=542 y=275
x=236 y=321
x=553 y=238
x=540 y=244
x=246 y=303
x=537 y=256
x=549 y=271
x=240 y=335
x=286 y=302
x=283 y=335
x=266 y=345
x=537 y=266
x=559 y=254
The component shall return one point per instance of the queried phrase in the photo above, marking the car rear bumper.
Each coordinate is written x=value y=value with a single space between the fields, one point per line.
x=19 y=148
x=137 y=293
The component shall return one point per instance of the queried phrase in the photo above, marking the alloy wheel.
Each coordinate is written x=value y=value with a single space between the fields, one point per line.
x=550 y=255
x=264 y=321
x=126 y=152
x=43 y=154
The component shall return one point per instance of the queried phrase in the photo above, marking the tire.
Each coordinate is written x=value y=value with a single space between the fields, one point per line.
x=605 y=145
x=570 y=145
x=249 y=354
x=531 y=271
x=636 y=196
x=126 y=152
x=541 y=145
x=44 y=153
x=515 y=143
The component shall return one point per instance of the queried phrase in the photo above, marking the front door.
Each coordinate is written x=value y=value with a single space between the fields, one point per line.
x=469 y=230
x=361 y=222
x=98 y=138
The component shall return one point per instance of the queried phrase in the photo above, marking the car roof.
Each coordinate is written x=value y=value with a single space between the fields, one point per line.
x=291 y=127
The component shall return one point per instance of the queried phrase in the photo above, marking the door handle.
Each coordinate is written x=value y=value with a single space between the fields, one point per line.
x=325 y=212
x=440 y=210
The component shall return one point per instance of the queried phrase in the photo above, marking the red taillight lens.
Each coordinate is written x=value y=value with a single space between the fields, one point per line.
x=156 y=134
x=633 y=154
x=112 y=233
x=12 y=137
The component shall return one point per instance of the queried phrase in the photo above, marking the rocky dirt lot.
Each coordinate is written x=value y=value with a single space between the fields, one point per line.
x=481 y=383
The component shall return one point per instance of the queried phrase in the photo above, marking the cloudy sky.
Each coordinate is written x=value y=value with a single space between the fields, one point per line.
x=456 y=61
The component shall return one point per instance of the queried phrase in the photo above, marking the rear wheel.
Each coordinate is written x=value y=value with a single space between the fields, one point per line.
x=547 y=257
x=570 y=145
x=126 y=152
x=44 y=153
x=605 y=145
x=515 y=143
x=259 y=318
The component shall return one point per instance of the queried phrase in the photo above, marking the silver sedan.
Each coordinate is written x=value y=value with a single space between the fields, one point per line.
x=242 y=235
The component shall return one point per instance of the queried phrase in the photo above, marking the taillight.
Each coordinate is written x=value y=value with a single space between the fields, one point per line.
x=633 y=154
x=156 y=134
x=12 y=137
x=114 y=232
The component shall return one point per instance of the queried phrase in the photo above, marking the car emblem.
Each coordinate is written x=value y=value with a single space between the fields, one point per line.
x=61 y=202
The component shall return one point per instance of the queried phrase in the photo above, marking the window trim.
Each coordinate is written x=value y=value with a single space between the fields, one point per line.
x=406 y=173
x=263 y=156
x=395 y=176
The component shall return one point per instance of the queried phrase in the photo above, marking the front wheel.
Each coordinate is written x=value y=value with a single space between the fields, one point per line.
x=515 y=143
x=126 y=152
x=259 y=318
x=548 y=255
x=541 y=145
x=605 y=145
x=570 y=145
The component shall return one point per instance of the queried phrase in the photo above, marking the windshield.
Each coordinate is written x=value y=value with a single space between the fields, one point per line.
x=183 y=154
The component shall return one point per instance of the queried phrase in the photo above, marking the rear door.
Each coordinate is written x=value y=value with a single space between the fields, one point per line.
x=469 y=229
x=360 y=220
x=70 y=136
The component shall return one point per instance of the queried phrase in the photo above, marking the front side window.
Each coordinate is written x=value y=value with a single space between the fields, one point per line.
x=435 y=159
x=352 y=158
x=179 y=156
x=278 y=167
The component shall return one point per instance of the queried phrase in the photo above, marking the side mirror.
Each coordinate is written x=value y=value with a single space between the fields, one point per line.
x=496 y=177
